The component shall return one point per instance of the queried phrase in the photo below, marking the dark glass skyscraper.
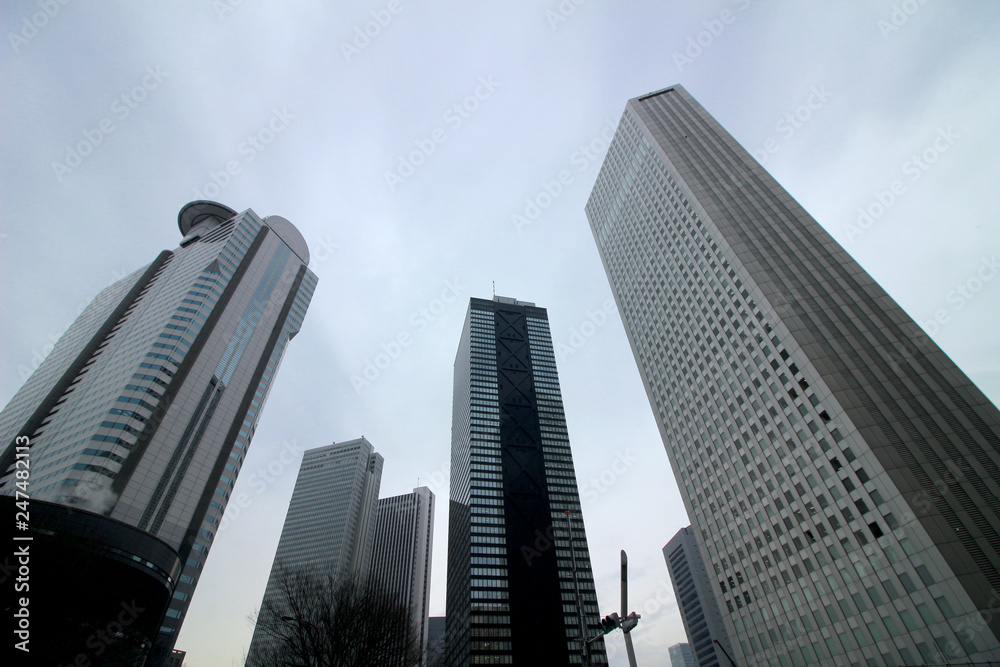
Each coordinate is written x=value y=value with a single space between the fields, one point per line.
x=520 y=590
x=144 y=410
x=841 y=471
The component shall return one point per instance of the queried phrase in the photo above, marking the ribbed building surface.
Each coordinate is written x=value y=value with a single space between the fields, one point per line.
x=329 y=526
x=696 y=601
x=520 y=590
x=681 y=656
x=401 y=555
x=435 y=642
x=843 y=473
x=144 y=410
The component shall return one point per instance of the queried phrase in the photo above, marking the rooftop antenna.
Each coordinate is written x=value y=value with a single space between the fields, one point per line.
x=494 y=289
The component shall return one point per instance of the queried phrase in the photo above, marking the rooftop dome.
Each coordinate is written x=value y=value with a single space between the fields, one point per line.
x=197 y=212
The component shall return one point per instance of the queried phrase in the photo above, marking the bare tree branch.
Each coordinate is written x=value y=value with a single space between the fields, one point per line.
x=318 y=620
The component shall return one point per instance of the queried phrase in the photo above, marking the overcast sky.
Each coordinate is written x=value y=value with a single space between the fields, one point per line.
x=116 y=114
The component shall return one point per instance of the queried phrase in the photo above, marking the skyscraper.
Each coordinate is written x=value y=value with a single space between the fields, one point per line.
x=145 y=408
x=329 y=527
x=839 y=468
x=435 y=641
x=520 y=590
x=680 y=656
x=401 y=556
x=696 y=601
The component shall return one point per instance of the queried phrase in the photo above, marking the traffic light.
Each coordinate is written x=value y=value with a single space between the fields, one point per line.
x=630 y=621
x=610 y=623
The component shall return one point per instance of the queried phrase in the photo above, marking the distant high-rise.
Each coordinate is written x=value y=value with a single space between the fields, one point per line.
x=696 y=601
x=329 y=526
x=144 y=410
x=435 y=642
x=519 y=590
x=401 y=556
x=840 y=470
x=680 y=656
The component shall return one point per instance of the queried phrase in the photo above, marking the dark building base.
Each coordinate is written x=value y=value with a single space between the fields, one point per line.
x=79 y=588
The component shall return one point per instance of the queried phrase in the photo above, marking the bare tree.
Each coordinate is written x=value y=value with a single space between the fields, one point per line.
x=324 y=621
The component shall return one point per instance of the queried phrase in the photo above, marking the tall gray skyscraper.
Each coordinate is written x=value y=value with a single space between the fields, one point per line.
x=401 y=556
x=520 y=590
x=144 y=410
x=830 y=455
x=696 y=601
x=329 y=526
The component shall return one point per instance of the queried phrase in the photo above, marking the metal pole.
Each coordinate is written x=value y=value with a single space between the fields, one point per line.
x=584 y=653
x=624 y=613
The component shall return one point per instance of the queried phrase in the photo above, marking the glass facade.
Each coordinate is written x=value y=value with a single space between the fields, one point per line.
x=696 y=602
x=329 y=527
x=520 y=586
x=839 y=469
x=145 y=408
x=401 y=555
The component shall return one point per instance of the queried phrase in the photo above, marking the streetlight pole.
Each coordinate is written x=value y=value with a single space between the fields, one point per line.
x=628 y=637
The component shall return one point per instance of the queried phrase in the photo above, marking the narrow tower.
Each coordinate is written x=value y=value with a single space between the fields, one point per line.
x=520 y=590
x=401 y=556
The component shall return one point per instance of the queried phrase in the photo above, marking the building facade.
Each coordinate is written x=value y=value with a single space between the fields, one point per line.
x=840 y=469
x=401 y=556
x=702 y=619
x=329 y=526
x=145 y=407
x=520 y=586
x=681 y=656
x=435 y=642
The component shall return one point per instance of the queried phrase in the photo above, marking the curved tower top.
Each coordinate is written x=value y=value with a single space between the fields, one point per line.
x=204 y=211
x=290 y=234
x=197 y=212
